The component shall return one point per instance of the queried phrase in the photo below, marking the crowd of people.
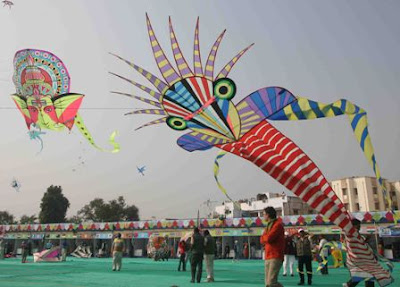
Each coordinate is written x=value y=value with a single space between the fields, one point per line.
x=281 y=249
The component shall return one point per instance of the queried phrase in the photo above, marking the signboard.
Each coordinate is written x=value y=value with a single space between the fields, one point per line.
x=104 y=236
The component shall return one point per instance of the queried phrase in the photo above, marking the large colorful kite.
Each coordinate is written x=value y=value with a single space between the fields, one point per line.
x=201 y=102
x=42 y=95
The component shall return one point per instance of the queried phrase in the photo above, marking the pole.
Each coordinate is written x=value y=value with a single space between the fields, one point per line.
x=198 y=217
x=376 y=238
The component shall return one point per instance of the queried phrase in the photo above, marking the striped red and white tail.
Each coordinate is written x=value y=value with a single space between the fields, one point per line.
x=282 y=159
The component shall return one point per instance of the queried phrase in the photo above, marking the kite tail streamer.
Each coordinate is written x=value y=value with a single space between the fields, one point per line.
x=220 y=155
x=283 y=160
x=305 y=109
x=84 y=131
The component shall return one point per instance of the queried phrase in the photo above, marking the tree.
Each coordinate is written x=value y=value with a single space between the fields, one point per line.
x=74 y=219
x=115 y=210
x=54 y=206
x=25 y=219
x=6 y=218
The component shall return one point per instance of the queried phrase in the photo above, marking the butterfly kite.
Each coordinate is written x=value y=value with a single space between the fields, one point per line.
x=43 y=95
x=201 y=102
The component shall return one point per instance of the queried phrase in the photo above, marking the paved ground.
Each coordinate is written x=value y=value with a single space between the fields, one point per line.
x=145 y=272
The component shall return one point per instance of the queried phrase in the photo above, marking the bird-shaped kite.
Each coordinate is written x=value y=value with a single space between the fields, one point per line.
x=201 y=102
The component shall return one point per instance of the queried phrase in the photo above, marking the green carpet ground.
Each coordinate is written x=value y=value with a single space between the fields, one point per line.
x=145 y=272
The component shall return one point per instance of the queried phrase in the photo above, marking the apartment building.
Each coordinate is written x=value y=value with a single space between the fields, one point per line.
x=365 y=194
x=284 y=205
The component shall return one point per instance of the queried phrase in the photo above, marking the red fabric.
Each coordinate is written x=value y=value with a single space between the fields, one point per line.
x=274 y=241
x=182 y=247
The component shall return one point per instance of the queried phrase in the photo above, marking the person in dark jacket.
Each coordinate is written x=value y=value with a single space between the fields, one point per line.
x=197 y=248
x=209 y=255
x=182 y=255
x=227 y=251
x=304 y=254
x=290 y=254
x=25 y=251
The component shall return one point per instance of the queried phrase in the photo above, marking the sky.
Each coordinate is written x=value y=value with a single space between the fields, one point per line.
x=321 y=50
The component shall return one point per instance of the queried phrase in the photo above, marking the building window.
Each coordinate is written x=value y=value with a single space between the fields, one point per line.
x=357 y=207
x=344 y=191
x=393 y=193
x=376 y=205
x=346 y=205
x=355 y=191
x=375 y=190
x=295 y=211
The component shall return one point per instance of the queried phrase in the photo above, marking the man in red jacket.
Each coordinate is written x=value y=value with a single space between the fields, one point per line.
x=274 y=244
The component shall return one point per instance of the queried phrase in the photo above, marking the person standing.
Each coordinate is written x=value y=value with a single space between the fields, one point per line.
x=304 y=254
x=290 y=254
x=64 y=248
x=219 y=249
x=246 y=250
x=2 y=248
x=236 y=251
x=182 y=255
x=274 y=245
x=25 y=251
x=197 y=247
x=118 y=247
x=209 y=255
x=227 y=251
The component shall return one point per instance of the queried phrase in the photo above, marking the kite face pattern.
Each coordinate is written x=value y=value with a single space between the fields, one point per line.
x=198 y=101
x=43 y=94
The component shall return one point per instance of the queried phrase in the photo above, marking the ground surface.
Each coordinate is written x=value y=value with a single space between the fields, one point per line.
x=145 y=272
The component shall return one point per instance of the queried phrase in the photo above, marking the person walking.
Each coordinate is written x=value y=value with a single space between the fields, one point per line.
x=182 y=255
x=304 y=254
x=209 y=255
x=290 y=254
x=196 y=262
x=274 y=245
x=118 y=247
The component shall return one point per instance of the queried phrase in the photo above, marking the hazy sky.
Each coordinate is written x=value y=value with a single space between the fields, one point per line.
x=322 y=50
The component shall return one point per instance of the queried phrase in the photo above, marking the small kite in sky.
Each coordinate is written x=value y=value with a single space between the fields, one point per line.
x=198 y=101
x=43 y=94
x=141 y=169
x=15 y=184
x=7 y=3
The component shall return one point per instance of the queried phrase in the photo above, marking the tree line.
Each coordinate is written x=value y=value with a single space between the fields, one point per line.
x=54 y=207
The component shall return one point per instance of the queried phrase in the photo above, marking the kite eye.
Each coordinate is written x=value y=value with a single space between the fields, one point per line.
x=48 y=109
x=32 y=109
x=176 y=123
x=224 y=89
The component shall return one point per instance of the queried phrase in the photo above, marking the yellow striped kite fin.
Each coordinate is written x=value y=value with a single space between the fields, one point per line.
x=304 y=109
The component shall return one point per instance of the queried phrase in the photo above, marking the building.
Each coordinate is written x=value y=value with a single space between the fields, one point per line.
x=365 y=194
x=284 y=205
